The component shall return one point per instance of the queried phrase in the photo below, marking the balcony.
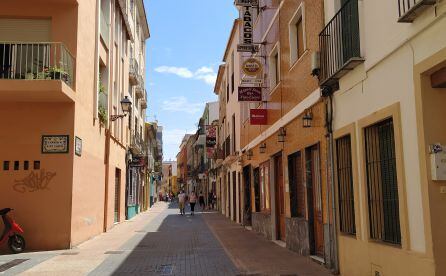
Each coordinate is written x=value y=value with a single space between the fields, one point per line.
x=137 y=144
x=38 y=71
x=105 y=29
x=140 y=87
x=340 y=45
x=227 y=147
x=133 y=71
x=409 y=10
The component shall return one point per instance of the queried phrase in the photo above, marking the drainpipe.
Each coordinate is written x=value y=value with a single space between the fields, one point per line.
x=334 y=248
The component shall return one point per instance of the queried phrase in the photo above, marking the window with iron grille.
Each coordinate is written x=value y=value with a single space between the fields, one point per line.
x=382 y=184
x=297 y=187
x=346 y=202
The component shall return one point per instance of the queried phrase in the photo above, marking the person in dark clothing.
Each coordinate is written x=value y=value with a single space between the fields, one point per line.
x=201 y=201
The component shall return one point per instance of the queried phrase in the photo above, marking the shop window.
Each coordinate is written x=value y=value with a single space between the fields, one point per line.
x=264 y=187
x=346 y=203
x=257 y=189
x=6 y=165
x=37 y=165
x=382 y=184
x=16 y=165
x=297 y=186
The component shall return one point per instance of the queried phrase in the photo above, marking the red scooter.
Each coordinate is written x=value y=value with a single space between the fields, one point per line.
x=11 y=233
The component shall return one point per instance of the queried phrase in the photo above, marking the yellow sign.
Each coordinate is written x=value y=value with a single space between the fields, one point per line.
x=252 y=67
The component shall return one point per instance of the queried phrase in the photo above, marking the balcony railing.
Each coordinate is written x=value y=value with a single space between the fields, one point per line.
x=227 y=146
x=140 y=87
x=410 y=9
x=340 y=44
x=137 y=144
x=36 y=61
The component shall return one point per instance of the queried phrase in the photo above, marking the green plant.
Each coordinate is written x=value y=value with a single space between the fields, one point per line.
x=57 y=73
x=101 y=85
x=102 y=115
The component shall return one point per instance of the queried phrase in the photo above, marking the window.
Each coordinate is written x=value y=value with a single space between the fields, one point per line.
x=26 y=165
x=382 y=184
x=16 y=165
x=37 y=165
x=264 y=187
x=232 y=73
x=346 y=203
x=234 y=148
x=274 y=68
x=227 y=93
x=257 y=189
x=297 y=35
x=297 y=186
x=6 y=165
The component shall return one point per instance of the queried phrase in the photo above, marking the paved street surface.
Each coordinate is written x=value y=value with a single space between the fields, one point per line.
x=161 y=242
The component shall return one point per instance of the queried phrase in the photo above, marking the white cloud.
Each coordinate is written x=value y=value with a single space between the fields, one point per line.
x=181 y=104
x=206 y=74
x=179 y=71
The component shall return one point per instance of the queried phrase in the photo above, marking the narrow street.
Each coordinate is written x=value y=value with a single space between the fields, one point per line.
x=161 y=242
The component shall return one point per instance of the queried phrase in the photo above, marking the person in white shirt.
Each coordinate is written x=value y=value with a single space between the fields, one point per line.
x=181 y=201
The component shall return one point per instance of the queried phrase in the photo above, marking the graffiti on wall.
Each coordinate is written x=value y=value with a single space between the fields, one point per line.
x=35 y=181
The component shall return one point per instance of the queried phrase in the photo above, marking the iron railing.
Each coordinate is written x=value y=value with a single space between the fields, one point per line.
x=409 y=9
x=36 y=61
x=382 y=182
x=339 y=41
x=133 y=68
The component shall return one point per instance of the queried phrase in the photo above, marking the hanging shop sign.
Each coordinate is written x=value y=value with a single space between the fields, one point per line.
x=249 y=94
x=55 y=143
x=252 y=67
x=248 y=48
x=247 y=25
x=247 y=3
x=211 y=136
x=251 y=81
x=258 y=116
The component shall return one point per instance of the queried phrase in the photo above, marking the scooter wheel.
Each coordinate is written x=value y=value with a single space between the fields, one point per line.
x=16 y=243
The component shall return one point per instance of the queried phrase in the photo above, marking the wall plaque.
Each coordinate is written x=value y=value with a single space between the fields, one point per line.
x=55 y=143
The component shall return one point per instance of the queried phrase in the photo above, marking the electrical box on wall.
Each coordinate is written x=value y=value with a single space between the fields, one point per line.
x=438 y=162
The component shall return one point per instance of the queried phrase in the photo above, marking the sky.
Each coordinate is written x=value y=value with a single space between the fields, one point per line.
x=186 y=46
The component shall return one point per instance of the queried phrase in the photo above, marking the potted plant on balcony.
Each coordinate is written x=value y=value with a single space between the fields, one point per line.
x=102 y=115
x=57 y=73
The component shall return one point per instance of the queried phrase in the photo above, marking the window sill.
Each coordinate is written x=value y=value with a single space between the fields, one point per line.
x=298 y=60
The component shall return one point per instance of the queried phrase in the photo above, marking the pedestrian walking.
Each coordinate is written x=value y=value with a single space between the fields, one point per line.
x=214 y=200
x=181 y=201
x=201 y=201
x=192 y=202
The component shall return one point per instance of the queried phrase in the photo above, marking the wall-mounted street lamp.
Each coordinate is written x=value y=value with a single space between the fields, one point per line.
x=126 y=105
x=307 y=119
x=262 y=147
x=281 y=135
x=249 y=154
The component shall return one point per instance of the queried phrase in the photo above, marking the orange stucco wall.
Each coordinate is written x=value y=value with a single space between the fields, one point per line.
x=44 y=213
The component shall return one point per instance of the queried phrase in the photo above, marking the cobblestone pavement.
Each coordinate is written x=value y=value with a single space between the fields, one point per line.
x=162 y=242
x=171 y=245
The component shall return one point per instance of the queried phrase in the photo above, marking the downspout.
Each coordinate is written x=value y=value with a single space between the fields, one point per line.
x=334 y=248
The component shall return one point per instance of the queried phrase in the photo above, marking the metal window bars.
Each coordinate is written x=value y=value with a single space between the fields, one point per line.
x=410 y=9
x=36 y=61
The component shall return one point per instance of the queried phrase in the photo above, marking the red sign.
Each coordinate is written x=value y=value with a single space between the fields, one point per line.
x=249 y=94
x=258 y=116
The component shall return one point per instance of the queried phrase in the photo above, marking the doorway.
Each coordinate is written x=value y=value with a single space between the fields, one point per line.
x=117 y=194
x=228 y=181
x=314 y=199
x=234 y=194
x=279 y=196
x=247 y=202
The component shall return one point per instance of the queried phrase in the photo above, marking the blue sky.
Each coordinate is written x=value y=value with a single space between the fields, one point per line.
x=188 y=38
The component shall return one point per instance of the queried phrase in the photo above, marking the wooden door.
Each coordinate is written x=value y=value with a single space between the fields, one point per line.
x=280 y=200
x=314 y=186
x=117 y=194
